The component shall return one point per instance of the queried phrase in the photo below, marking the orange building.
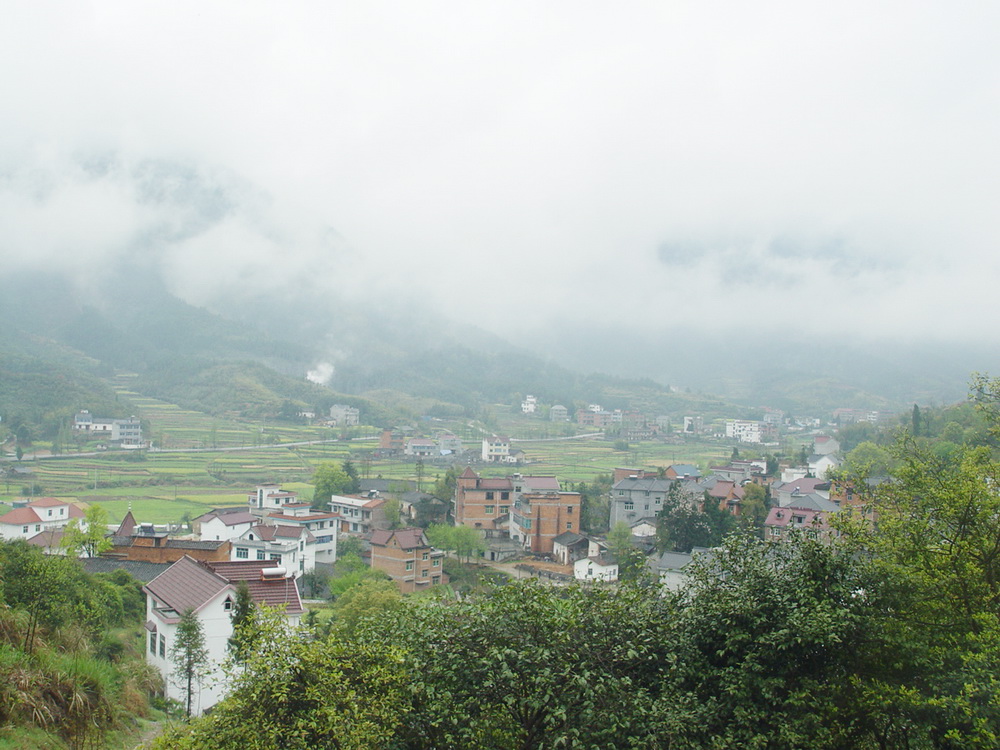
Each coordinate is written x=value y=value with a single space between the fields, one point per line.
x=539 y=517
x=408 y=558
x=483 y=503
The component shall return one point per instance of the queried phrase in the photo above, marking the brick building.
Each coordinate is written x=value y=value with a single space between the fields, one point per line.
x=408 y=559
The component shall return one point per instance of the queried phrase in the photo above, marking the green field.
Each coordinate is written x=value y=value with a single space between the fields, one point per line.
x=202 y=461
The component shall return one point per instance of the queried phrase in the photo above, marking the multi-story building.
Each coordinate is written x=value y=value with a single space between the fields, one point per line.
x=209 y=590
x=43 y=514
x=408 y=558
x=483 y=503
x=496 y=449
x=321 y=524
x=357 y=515
x=539 y=517
x=292 y=547
x=590 y=418
x=269 y=498
x=421 y=447
x=529 y=405
x=636 y=496
x=345 y=416
x=123 y=433
x=559 y=413
x=745 y=430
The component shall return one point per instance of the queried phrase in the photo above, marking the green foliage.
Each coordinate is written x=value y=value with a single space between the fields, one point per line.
x=372 y=597
x=531 y=666
x=329 y=479
x=189 y=655
x=680 y=525
x=464 y=541
x=631 y=561
x=89 y=538
x=62 y=670
x=302 y=694
x=243 y=619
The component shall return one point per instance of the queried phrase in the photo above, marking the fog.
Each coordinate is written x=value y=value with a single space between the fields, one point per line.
x=705 y=166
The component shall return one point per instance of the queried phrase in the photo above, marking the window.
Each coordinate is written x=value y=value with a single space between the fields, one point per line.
x=504 y=509
x=38 y=527
x=489 y=495
x=436 y=580
x=424 y=572
x=409 y=564
x=569 y=510
x=228 y=605
x=242 y=553
x=260 y=554
x=50 y=511
x=152 y=642
x=435 y=563
x=490 y=509
x=24 y=529
x=276 y=556
x=505 y=496
x=425 y=556
x=629 y=506
x=163 y=647
x=569 y=525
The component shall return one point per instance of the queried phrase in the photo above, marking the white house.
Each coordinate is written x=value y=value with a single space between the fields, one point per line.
x=344 y=415
x=209 y=590
x=321 y=524
x=225 y=524
x=744 y=430
x=596 y=568
x=496 y=448
x=529 y=405
x=270 y=497
x=291 y=547
x=43 y=514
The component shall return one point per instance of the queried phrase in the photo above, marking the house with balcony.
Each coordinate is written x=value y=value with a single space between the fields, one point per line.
x=322 y=525
x=358 y=515
x=292 y=547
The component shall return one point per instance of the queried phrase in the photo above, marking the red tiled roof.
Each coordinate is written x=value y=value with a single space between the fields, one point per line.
x=20 y=516
x=186 y=585
x=47 y=538
x=272 y=592
x=407 y=538
x=46 y=502
x=469 y=474
x=501 y=483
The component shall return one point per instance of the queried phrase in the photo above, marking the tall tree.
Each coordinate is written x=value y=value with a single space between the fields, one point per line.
x=329 y=479
x=242 y=618
x=189 y=655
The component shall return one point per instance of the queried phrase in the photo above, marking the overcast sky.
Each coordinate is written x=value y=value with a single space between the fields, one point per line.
x=794 y=164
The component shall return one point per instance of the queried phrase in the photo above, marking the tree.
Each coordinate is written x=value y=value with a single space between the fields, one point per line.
x=393 y=512
x=868 y=460
x=354 y=485
x=753 y=508
x=369 y=598
x=915 y=422
x=531 y=666
x=300 y=693
x=90 y=538
x=329 y=479
x=631 y=561
x=680 y=525
x=242 y=618
x=804 y=658
x=189 y=655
